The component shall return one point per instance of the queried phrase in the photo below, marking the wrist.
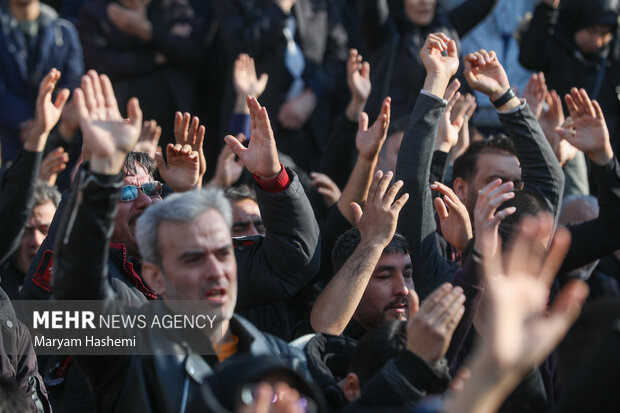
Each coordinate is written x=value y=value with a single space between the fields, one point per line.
x=37 y=141
x=267 y=175
x=107 y=165
x=241 y=106
x=354 y=108
x=603 y=157
x=436 y=84
x=146 y=32
x=442 y=147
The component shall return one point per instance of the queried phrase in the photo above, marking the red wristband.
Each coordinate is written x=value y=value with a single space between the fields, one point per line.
x=274 y=185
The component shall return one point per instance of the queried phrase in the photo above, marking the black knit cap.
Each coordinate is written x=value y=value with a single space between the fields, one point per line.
x=578 y=14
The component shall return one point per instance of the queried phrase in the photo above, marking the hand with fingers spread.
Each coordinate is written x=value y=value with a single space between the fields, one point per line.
x=54 y=163
x=47 y=112
x=439 y=68
x=429 y=329
x=183 y=167
x=486 y=217
x=535 y=93
x=448 y=129
x=294 y=113
x=377 y=224
x=261 y=155
x=485 y=74
x=326 y=187
x=358 y=80
x=589 y=133
x=453 y=217
x=369 y=141
x=246 y=82
x=521 y=332
x=108 y=137
x=553 y=117
x=149 y=138
x=228 y=169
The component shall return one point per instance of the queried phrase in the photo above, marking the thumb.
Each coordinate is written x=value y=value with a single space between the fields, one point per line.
x=262 y=81
x=566 y=134
x=159 y=160
x=134 y=112
x=362 y=122
x=357 y=212
x=413 y=302
x=234 y=144
x=452 y=52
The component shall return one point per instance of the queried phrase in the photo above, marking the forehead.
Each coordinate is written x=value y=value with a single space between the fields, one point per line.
x=394 y=259
x=496 y=165
x=43 y=213
x=209 y=231
x=246 y=206
x=140 y=177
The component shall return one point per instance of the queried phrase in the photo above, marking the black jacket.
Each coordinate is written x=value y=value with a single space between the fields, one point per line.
x=128 y=383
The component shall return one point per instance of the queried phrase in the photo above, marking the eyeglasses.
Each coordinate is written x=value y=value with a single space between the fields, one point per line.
x=130 y=192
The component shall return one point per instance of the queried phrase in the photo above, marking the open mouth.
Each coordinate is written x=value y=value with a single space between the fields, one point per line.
x=216 y=295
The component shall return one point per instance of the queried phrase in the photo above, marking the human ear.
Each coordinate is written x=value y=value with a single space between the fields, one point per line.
x=154 y=277
x=352 y=387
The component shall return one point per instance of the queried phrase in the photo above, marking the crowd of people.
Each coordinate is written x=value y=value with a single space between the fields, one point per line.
x=392 y=205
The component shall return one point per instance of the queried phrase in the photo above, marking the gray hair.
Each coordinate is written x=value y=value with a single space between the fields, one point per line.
x=184 y=207
x=44 y=192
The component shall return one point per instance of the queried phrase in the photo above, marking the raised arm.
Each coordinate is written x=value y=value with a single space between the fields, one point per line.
x=19 y=181
x=601 y=236
x=276 y=267
x=337 y=303
x=88 y=220
x=417 y=223
x=535 y=42
x=541 y=172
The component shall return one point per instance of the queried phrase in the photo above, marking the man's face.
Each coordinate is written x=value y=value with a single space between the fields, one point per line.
x=34 y=234
x=385 y=297
x=198 y=262
x=490 y=166
x=592 y=39
x=420 y=12
x=246 y=219
x=129 y=212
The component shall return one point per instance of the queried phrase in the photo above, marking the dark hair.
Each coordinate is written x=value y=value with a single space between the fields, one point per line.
x=349 y=240
x=376 y=348
x=239 y=193
x=527 y=204
x=141 y=158
x=12 y=397
x=465 y=166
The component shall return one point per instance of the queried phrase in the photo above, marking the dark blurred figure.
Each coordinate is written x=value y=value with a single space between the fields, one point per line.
x=150 y=49
x=576 y=45
x=32 y=41
x=302 y=46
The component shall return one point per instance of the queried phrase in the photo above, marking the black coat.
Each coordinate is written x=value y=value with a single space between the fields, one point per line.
x=548 y=46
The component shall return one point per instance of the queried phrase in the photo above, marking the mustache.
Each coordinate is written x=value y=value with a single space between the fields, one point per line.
x=402 y=300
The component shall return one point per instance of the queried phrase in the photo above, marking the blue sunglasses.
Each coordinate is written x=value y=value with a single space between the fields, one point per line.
x=130 y=192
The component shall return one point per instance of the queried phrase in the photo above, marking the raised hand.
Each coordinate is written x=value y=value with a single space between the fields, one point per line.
x=589 y=133
x=228 y=169
x=435 y=62
x=429 y=329
x=285 y=5
x=521 y=331
x=485 y=74
x=358 y=80
x=377 y=224
x=448 y=129
x=54 y=163
x=486 y=219
x=294 y=113
x=535 y=93
x=553 y=117
x=246 y=82
x=464 y=108
x=185 y=164
x=326 y=187
x=47 y=112
x=369 y=141
x=108 y=137
x=453 y=217
x=149 y=138
x=261 y=155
